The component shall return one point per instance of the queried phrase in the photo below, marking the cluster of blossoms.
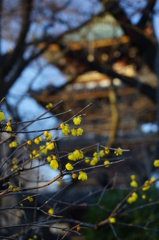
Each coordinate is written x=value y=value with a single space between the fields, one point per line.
x=13 y=189
x=132 y=198
x=30 y=199
x=133 y=182
x=15 y=166
x=13 y=144
x=148 y=183
x=65 y=128
x=49 y=106
x=76 y=155
x=53 y=162
x=118 y=152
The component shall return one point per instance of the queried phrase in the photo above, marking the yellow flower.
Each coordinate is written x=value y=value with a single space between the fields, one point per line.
x=37 y=140
x=112 y=220
x=87 y=160
x=47 y=135
x=132 y=198
x=143 y=196
x=78 y=228
x=95 y=154
x=156 y=163
x=79 y=131
x=65 y=128
x=43 y=149
x=134 y=184
x=118 y=151
x=30 y=199
x=76 y=155
x=107 y=151
x=94 y=161
x=50 y=146
x=49 y=158
x=101 y=153
x=82 y=176
x=132 y=177
x=74 y=132
x=2 y=117
x=50 y=211
x=13 y=144
x=34 y=152
x=69 y=166
x=54 y=164
x=58 y=183
x=29 y=142
x=8 y=128
x=106 y=163
x=10 y=187
x=77 y=120
x=14 y=161
x=152 y=180
x=49 y=106
x=15 y=167
x=74 y=175
x=146 y=185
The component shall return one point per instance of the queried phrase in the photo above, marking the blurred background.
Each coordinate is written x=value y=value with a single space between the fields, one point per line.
x=100 y=52
x=89 y=51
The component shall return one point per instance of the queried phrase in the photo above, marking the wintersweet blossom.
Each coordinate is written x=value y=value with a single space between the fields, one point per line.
x=101 y=153
x=30 y=199
x=43 y=149
x=112 y=219
x=79 y=131
x=8 y=127
x=50 y=146
x=37 y=140
x=69 y=166
x=132 y=198
x=82 y=176
x=107 y=151
x=134 y=184
x=146 y=185
x=74 y=175
x=118 y=151
x=87 y=160
x=2 y=117
x=47 y=135
x=156 y=163
x=133 y=177
x=13 y=144
x=94 y=161
x=77 y=120
x=54 y=164
x=65 y=128
x=50 y=211
x=74 y=132
x=76 y=155
x=106 y=163
x=49 y=106
x=29 y=142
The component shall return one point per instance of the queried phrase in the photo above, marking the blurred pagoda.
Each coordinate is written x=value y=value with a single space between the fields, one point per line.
x=85 y=57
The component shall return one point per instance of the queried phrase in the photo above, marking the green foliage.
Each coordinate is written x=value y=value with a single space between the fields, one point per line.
x=139 y=220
